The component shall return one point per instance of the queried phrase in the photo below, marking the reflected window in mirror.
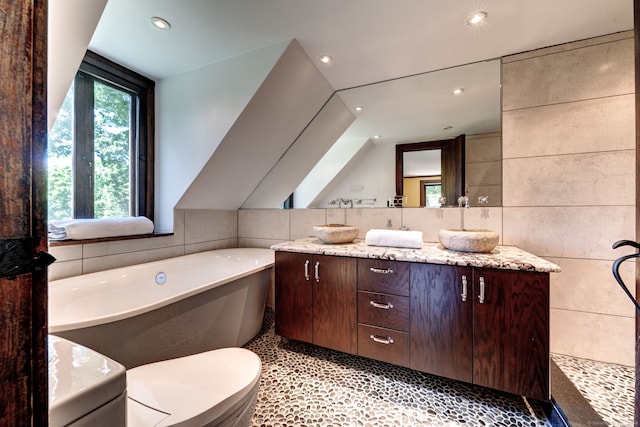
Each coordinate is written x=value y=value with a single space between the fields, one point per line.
x=422 y=191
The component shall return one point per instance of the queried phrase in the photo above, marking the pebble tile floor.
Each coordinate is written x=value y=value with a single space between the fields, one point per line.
x=304 y=385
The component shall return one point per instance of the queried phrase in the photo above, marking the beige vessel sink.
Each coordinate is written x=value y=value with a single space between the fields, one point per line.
x=469 y=239
x=335 y=233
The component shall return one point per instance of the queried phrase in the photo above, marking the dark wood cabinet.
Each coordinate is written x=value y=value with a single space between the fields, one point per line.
x=511 y=332
x=318 y=294
x=442 y=320
x=294 y=296
x=384 y=310
x=483 y=326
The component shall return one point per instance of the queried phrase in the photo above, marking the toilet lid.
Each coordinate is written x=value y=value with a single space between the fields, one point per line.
x=197 y=388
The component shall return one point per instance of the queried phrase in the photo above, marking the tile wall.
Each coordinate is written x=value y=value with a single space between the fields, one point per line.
x=194 y=231
x=569 y=184
x=483 y=167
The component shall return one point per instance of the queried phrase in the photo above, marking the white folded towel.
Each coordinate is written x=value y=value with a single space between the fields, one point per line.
x=394 y=238
x=79 y=229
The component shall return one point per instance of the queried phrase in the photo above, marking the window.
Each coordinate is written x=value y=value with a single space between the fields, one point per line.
x=101 y=145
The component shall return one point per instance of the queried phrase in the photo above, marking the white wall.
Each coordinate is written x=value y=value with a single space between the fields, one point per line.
x=194 y=111
x=71 y=26
x=373 y=177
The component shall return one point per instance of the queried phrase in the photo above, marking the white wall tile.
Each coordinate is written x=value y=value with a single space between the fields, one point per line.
x=483 y=148
x=336 y=216
x=431 y=220
x=591 y=72
x=367 y=218
x=605 y=178
x=264 y=223
x=588 y=285
x=569 y=232
x=91 y=250
x=211 y=245
x=593 y=336
x=568 y=46
x=602 y=124
x=62 y=269
x=91 y=265
x=66 y=252
x=251 y=242
x=483 y=173
x=206 y=225
x=303 y=220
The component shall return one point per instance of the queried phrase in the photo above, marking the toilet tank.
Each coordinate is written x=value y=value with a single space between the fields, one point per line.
x=85 y=387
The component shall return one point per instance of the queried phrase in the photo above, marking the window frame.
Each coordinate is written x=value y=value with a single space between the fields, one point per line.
x=143 y=112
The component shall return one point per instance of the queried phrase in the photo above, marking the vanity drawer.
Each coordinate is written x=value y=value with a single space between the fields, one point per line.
x=387 y=277
x=387 y=311
x=382 y=344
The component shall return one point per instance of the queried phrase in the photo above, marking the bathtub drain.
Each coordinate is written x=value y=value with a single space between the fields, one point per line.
x=161 y=278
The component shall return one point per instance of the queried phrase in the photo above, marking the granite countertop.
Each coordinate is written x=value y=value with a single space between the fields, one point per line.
x=502 y=257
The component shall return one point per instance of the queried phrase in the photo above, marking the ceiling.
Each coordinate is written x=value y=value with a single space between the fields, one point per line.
x=370 y=40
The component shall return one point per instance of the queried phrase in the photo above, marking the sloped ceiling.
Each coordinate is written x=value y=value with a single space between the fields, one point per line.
x=286 y=102
x=71 y=26
x=321 y=134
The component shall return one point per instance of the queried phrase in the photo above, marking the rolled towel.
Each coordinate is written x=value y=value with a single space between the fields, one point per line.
x=79 y=229
x=394 y=238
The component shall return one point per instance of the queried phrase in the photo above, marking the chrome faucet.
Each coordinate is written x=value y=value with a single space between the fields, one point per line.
x=340 y=201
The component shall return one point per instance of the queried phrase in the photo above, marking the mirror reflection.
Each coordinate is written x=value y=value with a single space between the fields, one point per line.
x=420 y=108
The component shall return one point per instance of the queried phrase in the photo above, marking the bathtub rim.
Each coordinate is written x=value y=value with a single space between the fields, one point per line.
x=54 y=327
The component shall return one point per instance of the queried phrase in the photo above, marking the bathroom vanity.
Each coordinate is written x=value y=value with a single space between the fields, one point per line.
x=478 y=318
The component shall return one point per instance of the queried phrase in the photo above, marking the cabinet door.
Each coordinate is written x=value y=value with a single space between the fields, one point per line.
x=334 y=303
x=511 y=332
x=441 y=320
x=294 y=295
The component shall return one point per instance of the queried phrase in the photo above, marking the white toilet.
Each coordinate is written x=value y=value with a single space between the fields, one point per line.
x=214 y=388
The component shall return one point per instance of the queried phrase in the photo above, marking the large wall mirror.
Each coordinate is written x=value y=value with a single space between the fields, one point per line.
x=424 y=108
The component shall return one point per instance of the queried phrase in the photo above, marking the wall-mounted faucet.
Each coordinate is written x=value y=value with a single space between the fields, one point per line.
x=340 y=201
x=463 y=201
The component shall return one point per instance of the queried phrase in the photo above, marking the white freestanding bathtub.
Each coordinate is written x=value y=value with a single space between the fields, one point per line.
x=165 y=309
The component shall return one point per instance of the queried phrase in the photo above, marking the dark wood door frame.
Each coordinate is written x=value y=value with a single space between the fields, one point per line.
x=636 y=18
x=23 y=134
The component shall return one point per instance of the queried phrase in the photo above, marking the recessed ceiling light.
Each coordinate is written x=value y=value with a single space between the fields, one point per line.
x=477 y=18
x=377 y=136
x=160 y=23
x=457 y=91
x=358 y=108
x=326 y=59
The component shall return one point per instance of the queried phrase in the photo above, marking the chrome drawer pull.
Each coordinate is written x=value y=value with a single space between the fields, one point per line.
x=381 y=340
x=306 y=269
x=381 y=270
x=464 y=288
x=481 y=296
x=317 y=271
x=385 y=306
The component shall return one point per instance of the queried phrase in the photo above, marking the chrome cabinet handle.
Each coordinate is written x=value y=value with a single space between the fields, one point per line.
x=386 y=306
x=306 y=269
x=381 y=270
x=464 y=288
x=317 y=271
x=381 y=340
x=481 y=296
